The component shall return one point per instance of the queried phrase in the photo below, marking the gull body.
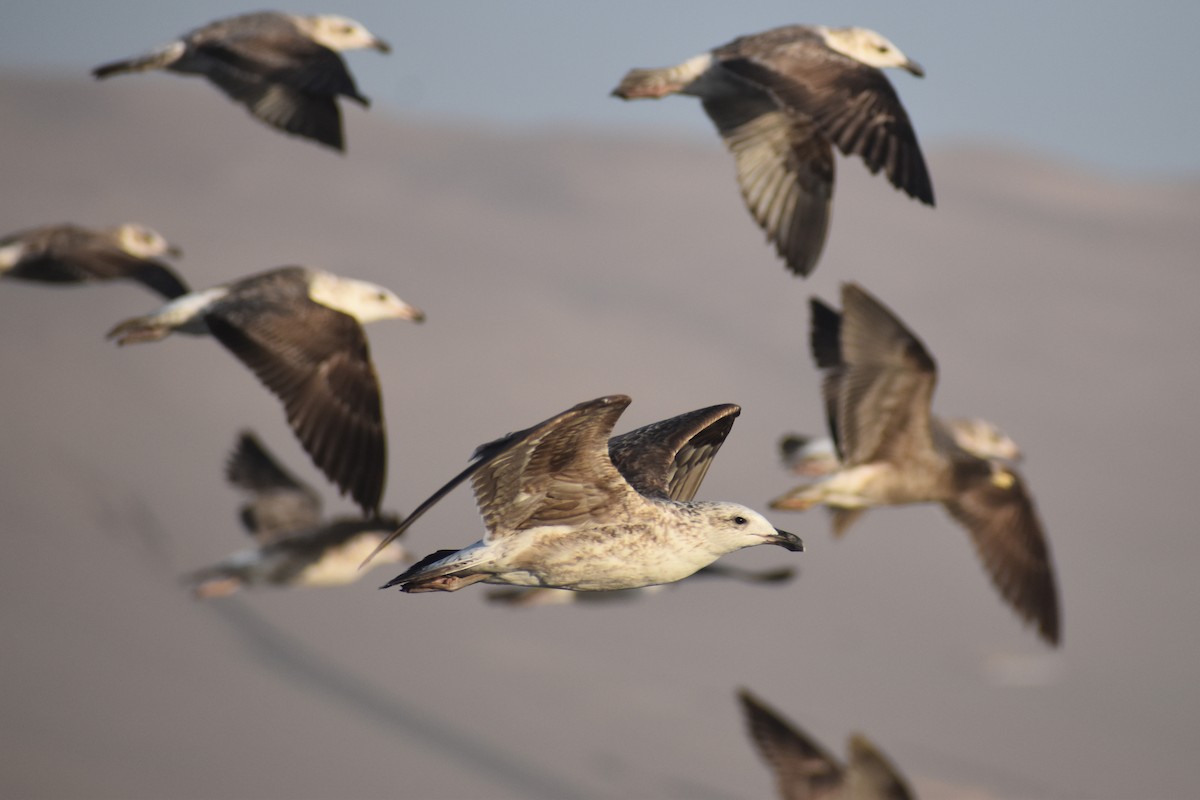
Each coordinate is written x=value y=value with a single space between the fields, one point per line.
x=561 y=514
x=69 y=253
x=284 y=68
x=294 y=546
x=300 y=330
x=782 y=100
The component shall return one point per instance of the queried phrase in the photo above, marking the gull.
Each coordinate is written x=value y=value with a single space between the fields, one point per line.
x=878 y=385
x=284 y=68
x=806 y=771
x=782 y=100
x=293 y=546
x=300 y=331
x=560 y=513
x=69 y=253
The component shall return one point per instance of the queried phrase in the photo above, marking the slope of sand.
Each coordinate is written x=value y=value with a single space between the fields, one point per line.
x=556 y=267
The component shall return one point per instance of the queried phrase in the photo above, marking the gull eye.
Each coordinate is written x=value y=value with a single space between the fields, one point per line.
x=883 y=48
x=740 y=520
x=381 y=296
x=347 y=29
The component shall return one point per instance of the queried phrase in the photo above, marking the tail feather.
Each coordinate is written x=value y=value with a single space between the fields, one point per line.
x=639 y=83
x=138 y=329
x=156 y=59
x=429 y=575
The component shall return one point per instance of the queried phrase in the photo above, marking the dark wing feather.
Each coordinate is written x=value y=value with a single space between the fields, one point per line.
x=994 y=505
x=825 y=342
x=670 y=458
x=785 y=171
x=853 y=105
x=313 y=116
x=284 y=57
x=885 y=387
x=803 y=769
x=317 y=362
x=282 y=506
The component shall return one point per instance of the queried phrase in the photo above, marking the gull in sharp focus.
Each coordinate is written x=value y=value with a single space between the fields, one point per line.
x=300 y=331
x=293 y=545
x=559 y=513
x=73 y=254
x=782 y=100
x=804 y=770
x=878 y=387
x=284 y=68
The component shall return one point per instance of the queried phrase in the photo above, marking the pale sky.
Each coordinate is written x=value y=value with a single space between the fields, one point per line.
x=1102 y=84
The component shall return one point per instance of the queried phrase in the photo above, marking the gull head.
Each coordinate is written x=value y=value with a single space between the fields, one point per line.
x=143 y=242
x=342 y=33
x=983 y=439
x=365 y=301
x=869 y=47
x=730 y=527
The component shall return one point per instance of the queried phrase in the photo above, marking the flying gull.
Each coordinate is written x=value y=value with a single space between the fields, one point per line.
x=293 y=546
x=879 y=381
x=284 y=68
x=300 y=331
x=806 y=771
x=73 y=254
x=817 y=456
x=560 y=513
x=781 y=100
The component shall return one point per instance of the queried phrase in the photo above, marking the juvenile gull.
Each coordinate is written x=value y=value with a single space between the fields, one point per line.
x=73 y=254
x=284 y=68
x=806 y=771
x=293 y=546
x=559 y=513
x=878 y=385
x=300 y=331
x=781 y=100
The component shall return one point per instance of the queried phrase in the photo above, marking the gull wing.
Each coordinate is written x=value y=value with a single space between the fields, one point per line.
x=996 y=508
x=282 y=505
x=670 y=458
x=803 y=769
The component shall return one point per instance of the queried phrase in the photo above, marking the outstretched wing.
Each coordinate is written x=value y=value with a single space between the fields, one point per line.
x=803 y=769
x=670 y=458
x=282 y=505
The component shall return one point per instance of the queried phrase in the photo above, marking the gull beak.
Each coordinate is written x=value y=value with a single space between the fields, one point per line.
x=410 y=313
x=174 y=251
x=381 y=45
x=788 y=541
x=914 y=68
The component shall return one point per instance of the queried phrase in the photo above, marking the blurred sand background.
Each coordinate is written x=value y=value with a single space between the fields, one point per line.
x=556 y=267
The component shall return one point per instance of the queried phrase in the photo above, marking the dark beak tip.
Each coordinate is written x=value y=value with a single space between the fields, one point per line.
x=382 y=46
x=915 y=69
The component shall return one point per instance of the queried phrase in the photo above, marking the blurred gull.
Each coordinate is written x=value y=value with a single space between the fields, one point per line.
x=560 y=513
x=300 y=331
x=806 y=771
x=878 y=386
x=284 y=68
x=781 y=100
x=73 y=254
x=294 y=547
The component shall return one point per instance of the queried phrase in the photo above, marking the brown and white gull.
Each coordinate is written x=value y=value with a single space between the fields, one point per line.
x=878 y=387
x=284 y=68
x=804 y=770
x=559 y=513
x=294 y=546
x=300 y=331
x=69 y=253
x=782 y=100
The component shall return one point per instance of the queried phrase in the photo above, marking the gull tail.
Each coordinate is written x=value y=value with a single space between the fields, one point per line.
x=662 y=81
x=443 y=571
x=139 y=329
x=161 y=58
